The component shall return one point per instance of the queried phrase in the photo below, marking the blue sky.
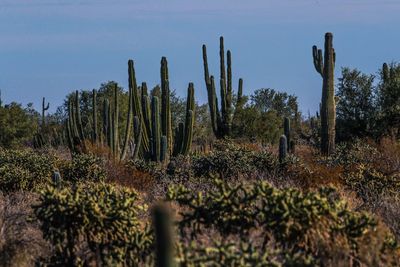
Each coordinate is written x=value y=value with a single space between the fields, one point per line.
x=49 y=48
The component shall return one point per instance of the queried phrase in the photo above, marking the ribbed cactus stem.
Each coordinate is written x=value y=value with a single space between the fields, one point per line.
x=94 y=117
x=137 y=135
x=78 y=117
x=136 y=102
x=156 y=129
x=115 y=124
x=166 y=125
x=163 y=148
x=286 y=130
x=128 y=124
x=282 y=148
x=164 y=238
x=106 y=122
x=189 y=121
x=326 y=66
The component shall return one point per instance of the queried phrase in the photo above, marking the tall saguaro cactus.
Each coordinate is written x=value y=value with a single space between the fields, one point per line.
x=325 y=65
x=44 y=109
x=221 y=118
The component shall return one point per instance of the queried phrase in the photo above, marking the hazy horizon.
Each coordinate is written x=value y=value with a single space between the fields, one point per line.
x=49 y=48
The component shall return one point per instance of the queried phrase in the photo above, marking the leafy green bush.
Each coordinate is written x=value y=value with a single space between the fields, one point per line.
x=25 y=169
x=99 y=218
x=84 y=167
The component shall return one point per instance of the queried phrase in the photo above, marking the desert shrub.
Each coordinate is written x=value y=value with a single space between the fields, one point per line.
x=228 y=160
x=314 y=224
x=99 y=218
x=21 y=241
x=84 y=167
x=142 y=165
x=370 y=184
x=354 y=152
x=25 y=169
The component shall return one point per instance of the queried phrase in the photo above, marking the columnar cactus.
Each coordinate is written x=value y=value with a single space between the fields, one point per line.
x=94 y=117
x=221 y=119
x=164 y=238
x=165 y=103
x=282 y=148
x=326 y=66
x=156 y=129
x=44 y=109
x=286 y=130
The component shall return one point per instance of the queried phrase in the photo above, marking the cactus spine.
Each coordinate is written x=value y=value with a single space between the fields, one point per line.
x=283 y=147
x=221 y=119
x=326 y=66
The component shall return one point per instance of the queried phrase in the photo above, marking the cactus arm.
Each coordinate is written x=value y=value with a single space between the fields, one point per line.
x=318 y=60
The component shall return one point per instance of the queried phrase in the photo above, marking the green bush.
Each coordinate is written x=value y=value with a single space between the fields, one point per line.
x=84 y=167
x=228 y=160
x=317 y=225
x=98 y=219
x=370 y=184
x=25 y=169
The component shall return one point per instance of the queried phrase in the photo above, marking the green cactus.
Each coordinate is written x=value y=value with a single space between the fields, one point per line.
x=282 y=148
x=78 y=119
x=94 y=117
x=165 y=103
x=221 y=119
x=164 y=238
x=44 y=109
x=286 y=130
x=137 y=135
x=326 y=66
x=156 y=129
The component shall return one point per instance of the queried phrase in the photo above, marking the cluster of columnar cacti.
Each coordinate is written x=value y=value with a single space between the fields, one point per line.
x=221 y=118
x=325 y=65
x=152 y=137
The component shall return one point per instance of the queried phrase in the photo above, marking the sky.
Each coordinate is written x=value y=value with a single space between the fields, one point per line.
x=49 y=48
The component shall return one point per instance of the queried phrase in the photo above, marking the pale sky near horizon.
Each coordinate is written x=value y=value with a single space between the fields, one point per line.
x=49 y=48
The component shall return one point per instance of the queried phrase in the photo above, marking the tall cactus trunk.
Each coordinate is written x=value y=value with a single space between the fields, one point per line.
x=94 y=117
x=128 y=124
x=166 y=124
x=326 y=67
